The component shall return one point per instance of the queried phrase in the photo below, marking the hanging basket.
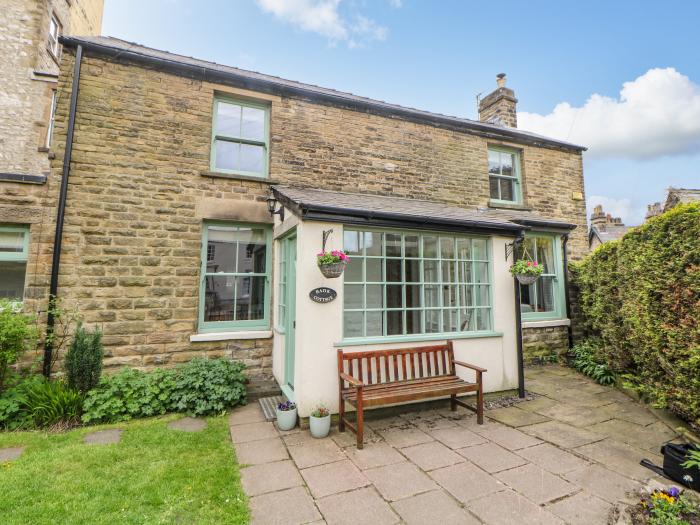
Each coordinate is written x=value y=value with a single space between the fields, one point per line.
x=526 y=279
x=332 y=270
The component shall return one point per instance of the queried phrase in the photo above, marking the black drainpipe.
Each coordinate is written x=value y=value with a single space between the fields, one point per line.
x=518 y=322
x=569 y=329
x=60 y=215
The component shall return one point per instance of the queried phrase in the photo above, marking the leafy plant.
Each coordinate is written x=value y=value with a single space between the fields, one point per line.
x=65 y=320
x=335 y=256
x=286 y=406
x=668 y=507
x=693 y=460
x=17 y=334
x=320 y=411
x=36 y=402
x=208 y=386
x=83 y=362
x=525 y=267
x=585 y=361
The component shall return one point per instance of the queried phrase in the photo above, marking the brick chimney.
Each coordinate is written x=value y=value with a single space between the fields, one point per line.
x=602 y=220
x=498 y=107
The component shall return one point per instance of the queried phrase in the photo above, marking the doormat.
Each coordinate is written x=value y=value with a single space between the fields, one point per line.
x=269 y=406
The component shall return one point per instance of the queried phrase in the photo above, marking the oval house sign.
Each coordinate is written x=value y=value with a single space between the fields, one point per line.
x=323 y=294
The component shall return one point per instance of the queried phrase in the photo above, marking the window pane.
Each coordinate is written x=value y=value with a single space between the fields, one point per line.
x=413 y=296
x=545 y=254
x=353 y=322
x=252 y=250
x=393 y=245
x=227 y=155
x=221 y=250
x=482 y=295
x=494 y=191
x=467 y=321
x=373 y=269
x=464 y=248
x=447 y=248
x=394 y=296
x=527 y=298
x=353 y=296
x=432 y=295
x=431 y=272
x=449 y=320
x=432 y=321
x=507 y=189
x=253 y=124
x=11 y=242
x=352 y=242
x=480 y=253
x=482 y=272
x=413 y=322
x=394 y=323
x=483 y=319
x=219 y=294
x=449 y=295
x=12 y=274
x=545 y=294
x=465 y=272
x=411 y=243
x=430 y=246
x=373 y=243
x=228 y=119
x=353 y=271
x=393 y=270
x=466 y=295
x=252 y=158
x=375 y=296
x=448 y=272
x=412 y=269
x=375 y=323
x=494 y=162
x=507 y=164
x=250 y=298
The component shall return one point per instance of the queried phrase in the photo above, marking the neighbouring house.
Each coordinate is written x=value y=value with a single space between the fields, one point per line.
x=674 y=197
x=30 y=55
x=169 y=244
x=604 y=228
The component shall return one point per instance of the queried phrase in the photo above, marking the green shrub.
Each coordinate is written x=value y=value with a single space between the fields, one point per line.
x=36 y=403
x=208 y=386
x=585 y=360
x=18 y=333
x=83 y=362
x=200 y=387
x=640 y=297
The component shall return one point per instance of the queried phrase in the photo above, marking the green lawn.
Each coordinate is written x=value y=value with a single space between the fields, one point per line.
x=154 y=475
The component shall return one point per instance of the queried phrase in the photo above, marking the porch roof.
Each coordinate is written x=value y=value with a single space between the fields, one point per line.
x=381 y=210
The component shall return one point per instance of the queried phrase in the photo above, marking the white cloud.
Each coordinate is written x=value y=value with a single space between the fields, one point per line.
x=656 y=114
x=396 y=4
x=324 y=18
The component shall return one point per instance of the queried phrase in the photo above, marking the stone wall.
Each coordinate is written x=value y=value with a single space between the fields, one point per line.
x=544 y=345
x=140 y=188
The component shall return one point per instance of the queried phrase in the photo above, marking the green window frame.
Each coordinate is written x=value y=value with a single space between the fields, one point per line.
x=410 y=285
x=240 y=137
x=545 y=300
x=231 y=273
x=505 y=185
x=14 y=253
x=281 y=318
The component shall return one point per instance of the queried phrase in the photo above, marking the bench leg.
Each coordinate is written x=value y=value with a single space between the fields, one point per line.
x=480 y=401
x=341 y=414
x=360 y=420
x=453 y=402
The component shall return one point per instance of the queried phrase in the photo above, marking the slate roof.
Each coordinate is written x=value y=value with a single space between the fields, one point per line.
x=212 y=71
x=380 y=210
x=681 y=196
x=610 y=233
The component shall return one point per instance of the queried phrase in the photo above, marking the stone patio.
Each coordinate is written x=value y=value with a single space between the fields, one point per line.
x=567 y=456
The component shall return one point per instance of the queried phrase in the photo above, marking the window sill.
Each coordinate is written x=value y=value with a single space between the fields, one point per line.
x=230 y=336
x=494 y=203
x=234 y=176
x=545 y=324
x=415 y=338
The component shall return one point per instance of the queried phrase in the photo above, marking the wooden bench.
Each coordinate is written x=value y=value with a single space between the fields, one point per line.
x=383 y=377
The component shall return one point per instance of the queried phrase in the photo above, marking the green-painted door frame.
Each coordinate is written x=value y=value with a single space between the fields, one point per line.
x=290 y=247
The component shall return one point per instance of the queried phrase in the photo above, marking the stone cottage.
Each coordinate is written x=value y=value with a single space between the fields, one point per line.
x=170 y=246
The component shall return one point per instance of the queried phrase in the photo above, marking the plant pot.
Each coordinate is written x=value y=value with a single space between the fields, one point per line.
x=320 y=426
x=526 y=279
x=286 y=419
x=332 y=270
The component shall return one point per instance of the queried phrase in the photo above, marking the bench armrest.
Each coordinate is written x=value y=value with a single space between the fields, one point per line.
x=351 y=380
x=467 y=365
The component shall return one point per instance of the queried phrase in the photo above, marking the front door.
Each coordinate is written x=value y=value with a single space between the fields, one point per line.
x=289 y=245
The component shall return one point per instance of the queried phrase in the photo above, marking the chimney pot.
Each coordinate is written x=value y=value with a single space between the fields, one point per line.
x=501 y=80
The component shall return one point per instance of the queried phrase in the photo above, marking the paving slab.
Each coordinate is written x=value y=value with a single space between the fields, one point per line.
x=332 y=478
x=348 y=439
x=405 y=438
x=318 y=452
x=429 y=456
x=466 y=481
x=491 y=457
x=536 y=484
x=286 y=507
x=10 y=453
x=433 y=507
x=650 y=437
x=561 y=434
x=292 y=439
x=633 y=413
x=620 y=457
x=457 y=437
x=252 y=432
x=262 y=451
x=104 y=437
x=578 y=416
x=552 y=459
x=400 y=480
x=509 y=508
x=394 y=422
x=374 y=455
x=509 y=438
x=188 y=424
x=251 y=413
x=270 y=477
x=605 y=484
x=581 y=509
x=515 y=417
x=358 y=507
x=537 y=404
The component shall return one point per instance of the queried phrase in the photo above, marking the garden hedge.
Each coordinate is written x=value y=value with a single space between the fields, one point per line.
x=639 y=298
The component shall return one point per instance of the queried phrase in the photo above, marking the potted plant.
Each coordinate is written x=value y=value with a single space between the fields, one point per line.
x=526 y=272
x=320 y=421
x=332 y=264
x=286 y=415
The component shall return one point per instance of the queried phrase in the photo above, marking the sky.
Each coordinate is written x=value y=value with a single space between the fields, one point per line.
x=620 y=77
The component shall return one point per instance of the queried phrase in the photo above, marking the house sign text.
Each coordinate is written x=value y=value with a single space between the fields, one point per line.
x=323 y=294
